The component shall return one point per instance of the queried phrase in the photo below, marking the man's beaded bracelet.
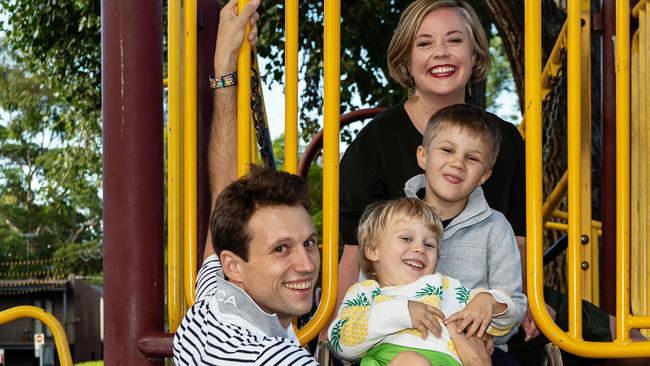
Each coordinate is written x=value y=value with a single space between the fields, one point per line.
x=224 y=81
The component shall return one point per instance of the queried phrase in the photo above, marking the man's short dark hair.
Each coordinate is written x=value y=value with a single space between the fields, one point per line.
x=235 y=206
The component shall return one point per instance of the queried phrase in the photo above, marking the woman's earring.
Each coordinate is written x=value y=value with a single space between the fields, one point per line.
x=412 y=86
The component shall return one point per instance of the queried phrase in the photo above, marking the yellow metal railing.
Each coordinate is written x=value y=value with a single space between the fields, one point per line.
x=190 y=244
x=331 y=141
x=174 y=169
x=244 y=103
x=291 y=87
x=640 y=150
x=574 y=141
x=572 y=341
x=62 y=347
x=331 y=102
x=551 y=70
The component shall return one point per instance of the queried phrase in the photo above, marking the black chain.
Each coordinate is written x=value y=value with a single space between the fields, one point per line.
x=552 y=103
x=259 y=115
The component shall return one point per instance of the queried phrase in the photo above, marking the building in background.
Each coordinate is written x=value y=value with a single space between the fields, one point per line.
x=76 y=304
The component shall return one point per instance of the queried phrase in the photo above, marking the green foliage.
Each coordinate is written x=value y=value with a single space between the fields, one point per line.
x=367 y=25
x=314 y=180
x=499 y=78
x=50 y=133
x=59 y=41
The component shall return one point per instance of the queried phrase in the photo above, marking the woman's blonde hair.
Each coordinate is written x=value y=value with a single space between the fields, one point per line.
x=376 y=218
x=399 y=50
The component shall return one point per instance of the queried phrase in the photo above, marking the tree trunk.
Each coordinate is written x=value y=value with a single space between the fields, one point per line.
x=508 y=16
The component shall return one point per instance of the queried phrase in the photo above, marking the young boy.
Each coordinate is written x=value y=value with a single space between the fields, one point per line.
x=478 y=247
x=386 y=320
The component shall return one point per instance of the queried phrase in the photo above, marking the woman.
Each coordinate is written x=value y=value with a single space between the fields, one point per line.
x=437 y=49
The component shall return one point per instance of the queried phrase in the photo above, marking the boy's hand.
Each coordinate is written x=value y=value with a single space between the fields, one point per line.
x=476 y=316
x=530 y=327
x=425 y=318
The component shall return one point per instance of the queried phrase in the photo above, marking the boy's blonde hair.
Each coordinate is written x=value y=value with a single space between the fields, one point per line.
x=399 y=49
x=470 y=119
x=376 y=218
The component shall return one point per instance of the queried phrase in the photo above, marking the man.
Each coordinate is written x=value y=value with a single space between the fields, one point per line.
x=264 y=275
x=267 y=260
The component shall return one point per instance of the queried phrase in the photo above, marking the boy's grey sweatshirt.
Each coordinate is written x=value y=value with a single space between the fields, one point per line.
x=479 y=249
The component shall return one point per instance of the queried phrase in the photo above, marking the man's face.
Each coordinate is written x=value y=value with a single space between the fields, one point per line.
x=283 y=261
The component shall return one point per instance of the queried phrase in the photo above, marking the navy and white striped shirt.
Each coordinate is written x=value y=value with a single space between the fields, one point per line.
x=226 y=327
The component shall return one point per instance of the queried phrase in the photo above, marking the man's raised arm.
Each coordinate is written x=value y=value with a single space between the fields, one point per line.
x=222 y=149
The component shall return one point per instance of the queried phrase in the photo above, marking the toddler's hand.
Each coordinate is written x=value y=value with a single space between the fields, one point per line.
x=425 y=318
x=476 y=316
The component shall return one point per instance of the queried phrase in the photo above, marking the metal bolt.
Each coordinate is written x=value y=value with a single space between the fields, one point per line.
x=585 y=265
x=584 y=239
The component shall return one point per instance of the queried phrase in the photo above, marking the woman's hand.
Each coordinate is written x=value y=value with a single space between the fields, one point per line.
x=471 y=350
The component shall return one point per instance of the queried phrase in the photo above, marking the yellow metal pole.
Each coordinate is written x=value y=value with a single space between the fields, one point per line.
x=330 y=171
x=189 y=151
x=534 y=197
x=559 y=226
x=574 y=288
x=645 y=84
x=640 y=322
x=644 y=148
x=174 y=172
x=62 y=347
x=587 y=241
x=640 y=189
x=243 y=102
x=622 y=168
x=637 y=159
x=595 y=267
x=291 y=87
x=562 y=215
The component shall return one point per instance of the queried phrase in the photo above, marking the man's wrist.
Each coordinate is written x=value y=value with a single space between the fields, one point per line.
x=225 y=63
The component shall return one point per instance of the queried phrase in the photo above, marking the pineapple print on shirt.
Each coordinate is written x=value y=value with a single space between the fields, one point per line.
x=352 y=328
x=371 y=315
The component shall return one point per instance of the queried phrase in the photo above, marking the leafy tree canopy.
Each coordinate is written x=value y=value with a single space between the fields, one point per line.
x=50 y=134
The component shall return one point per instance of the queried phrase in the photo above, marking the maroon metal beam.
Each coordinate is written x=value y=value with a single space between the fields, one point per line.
x=157 y=345
x=133 y=177
x=208 y=19
x=316 y=143
x=608 y=178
